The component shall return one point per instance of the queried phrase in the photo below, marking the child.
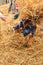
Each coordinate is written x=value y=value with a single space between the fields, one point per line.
x=27 y=24
x=27 y=27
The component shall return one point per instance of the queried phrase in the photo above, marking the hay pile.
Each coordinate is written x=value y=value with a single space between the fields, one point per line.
x=12 y=45
x=31 y=10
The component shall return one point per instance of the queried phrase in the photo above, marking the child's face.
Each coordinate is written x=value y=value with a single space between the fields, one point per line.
x=25 y=16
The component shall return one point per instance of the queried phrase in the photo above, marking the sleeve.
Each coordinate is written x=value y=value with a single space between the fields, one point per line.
x=18 y=25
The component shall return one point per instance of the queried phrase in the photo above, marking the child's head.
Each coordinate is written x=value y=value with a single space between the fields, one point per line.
x=26 y=13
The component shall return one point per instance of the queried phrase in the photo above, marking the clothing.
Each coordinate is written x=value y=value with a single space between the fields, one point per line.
x=16 y=15
x=27 y=28
x=14 y=8
x=9 y=9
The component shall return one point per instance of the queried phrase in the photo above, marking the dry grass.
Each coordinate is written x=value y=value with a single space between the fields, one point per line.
x=13 y=50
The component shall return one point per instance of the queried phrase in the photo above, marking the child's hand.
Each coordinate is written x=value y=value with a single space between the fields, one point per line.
x=3 y=17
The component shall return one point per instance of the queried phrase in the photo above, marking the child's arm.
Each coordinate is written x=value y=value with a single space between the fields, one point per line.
x=2 y=17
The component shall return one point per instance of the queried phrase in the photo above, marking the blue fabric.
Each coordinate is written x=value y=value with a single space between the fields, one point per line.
x=16 y=15
x=18 y=25
x=28 y=30
x=9 y=9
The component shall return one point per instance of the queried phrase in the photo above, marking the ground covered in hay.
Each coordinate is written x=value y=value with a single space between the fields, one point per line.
x=12 y=45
